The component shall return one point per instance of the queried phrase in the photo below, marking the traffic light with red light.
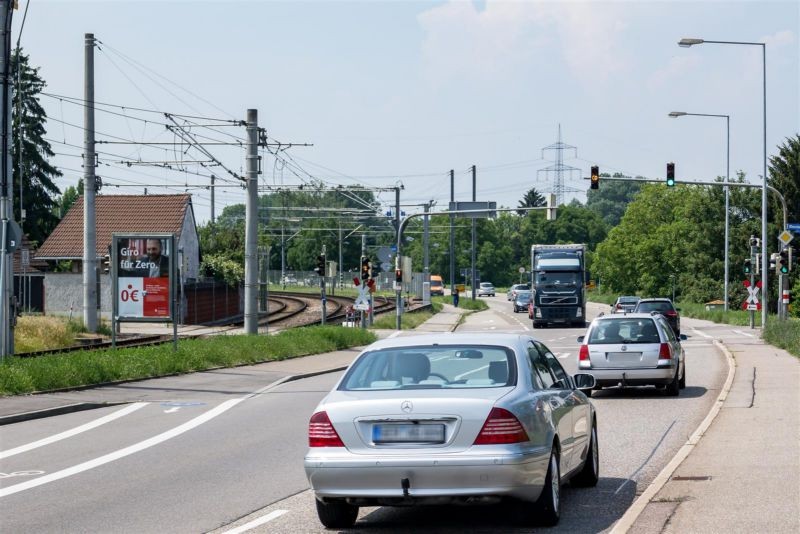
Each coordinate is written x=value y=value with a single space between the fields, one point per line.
x=595 y=177
x=398 y=276
x=365 y=270
x=670 y=174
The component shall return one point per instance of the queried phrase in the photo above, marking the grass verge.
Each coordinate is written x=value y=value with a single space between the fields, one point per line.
x=82 y=368
x=408 y=321
x=784 y=334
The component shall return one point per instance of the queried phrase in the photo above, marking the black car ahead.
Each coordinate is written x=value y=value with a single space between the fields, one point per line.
x=664 y=307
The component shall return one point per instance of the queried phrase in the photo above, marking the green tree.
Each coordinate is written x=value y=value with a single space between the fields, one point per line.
x=28 y=123
x=784 y=175
x=69 y=197
x=612 y=198
x=532 y=199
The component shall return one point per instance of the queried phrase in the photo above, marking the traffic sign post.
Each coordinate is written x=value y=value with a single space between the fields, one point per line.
x=752 y=304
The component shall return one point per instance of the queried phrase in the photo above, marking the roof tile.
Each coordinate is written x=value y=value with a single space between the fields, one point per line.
x=116 y=214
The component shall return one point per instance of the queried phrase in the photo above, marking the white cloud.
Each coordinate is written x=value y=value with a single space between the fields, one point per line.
x=463 y=42
x=674 y=71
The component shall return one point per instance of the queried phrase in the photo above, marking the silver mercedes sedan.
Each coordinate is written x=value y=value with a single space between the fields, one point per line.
x=452 y=419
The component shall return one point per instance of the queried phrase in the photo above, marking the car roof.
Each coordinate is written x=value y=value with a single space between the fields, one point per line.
x=624 y=316
x=656 y=299
x=477 y=338
x=629 y=297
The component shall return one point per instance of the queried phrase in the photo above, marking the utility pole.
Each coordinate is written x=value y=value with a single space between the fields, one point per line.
x=452 y=233
x=474 y=237
x=6 y=213
x=251 y=227
x=398 y=260
x=363 y=281
x=426 y=274
x=89 y=190
x=212 y=198
x=322 y=285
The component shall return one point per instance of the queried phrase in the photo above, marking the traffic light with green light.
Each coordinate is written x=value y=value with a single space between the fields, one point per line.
x=595 y=177
x=670 y=174
x=783 y=262
x=748 y=266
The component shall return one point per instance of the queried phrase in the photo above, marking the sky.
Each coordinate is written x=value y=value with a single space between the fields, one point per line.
x=392 y=93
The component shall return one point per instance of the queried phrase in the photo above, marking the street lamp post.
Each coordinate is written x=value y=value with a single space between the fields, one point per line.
x=675 y=114
x=687 y=42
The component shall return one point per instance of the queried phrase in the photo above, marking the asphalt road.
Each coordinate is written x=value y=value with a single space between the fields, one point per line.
x=217 y=460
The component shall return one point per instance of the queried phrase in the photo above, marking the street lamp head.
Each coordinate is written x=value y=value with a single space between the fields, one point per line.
x=687 y=42
x=674 y=114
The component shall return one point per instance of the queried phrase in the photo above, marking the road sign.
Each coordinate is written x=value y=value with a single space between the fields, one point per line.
x=385 y=254
x=752 y=302
x=522 y=270
x=362 y=301
x=793 y=227
x=785 y=237
x=487 y=207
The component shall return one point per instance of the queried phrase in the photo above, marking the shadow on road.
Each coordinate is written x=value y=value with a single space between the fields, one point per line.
x=583 y=510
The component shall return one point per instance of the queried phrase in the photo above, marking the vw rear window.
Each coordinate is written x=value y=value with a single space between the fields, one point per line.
x=628 y=331
x=432 y=367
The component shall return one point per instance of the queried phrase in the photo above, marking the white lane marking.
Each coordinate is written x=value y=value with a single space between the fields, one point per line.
x=137 y=447
x=257 y=522
x=562 y=355
x=744 y=333
x=172 y=410
x=74 y=431
x=696 y=331
x=395 y=334
x=459 y=377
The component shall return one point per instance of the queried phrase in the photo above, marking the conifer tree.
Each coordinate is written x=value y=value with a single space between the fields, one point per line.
x=39 y=192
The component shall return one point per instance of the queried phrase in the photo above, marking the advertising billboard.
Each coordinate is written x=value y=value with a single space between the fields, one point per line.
x=143 y=275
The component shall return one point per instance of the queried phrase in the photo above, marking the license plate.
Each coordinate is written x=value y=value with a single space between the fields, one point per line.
x=407 y=433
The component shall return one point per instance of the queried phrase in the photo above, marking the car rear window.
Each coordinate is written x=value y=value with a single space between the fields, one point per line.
x=614 y=331
x=654 y=306
x=432 y=367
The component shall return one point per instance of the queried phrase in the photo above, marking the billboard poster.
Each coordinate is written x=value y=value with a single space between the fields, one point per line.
x=143 y=277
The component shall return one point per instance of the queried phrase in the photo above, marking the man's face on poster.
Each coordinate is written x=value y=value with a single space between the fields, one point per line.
x=153 y=249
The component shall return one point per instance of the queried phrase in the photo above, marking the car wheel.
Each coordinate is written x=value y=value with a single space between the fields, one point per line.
x=674 y=387
x=336 y=514
x=682 y=381
x=590 y=473
x=549 y=503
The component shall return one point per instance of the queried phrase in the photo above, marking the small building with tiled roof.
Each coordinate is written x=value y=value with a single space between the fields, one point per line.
x=158 y=214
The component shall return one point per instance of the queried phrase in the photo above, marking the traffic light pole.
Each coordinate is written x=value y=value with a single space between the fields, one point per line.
x=322 y=286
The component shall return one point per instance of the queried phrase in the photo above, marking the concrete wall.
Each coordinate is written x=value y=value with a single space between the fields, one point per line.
x=190 y=243
x=63 y=294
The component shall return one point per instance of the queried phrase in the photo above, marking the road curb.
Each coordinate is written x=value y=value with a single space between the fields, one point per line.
x=634 y=511
x=58 y=410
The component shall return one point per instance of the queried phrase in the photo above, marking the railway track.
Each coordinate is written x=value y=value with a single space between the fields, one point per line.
x=286 y=310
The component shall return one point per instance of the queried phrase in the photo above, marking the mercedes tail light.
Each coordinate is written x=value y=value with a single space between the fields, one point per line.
x=321 y=432
x=501 y=427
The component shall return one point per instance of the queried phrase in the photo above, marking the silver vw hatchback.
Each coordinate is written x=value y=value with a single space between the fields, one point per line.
x=453 y=419
x=633 y=349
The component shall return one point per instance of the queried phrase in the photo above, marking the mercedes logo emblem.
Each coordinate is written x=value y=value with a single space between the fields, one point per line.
x=407 y=407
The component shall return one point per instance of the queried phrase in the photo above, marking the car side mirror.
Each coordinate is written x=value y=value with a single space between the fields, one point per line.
x=580 y=339
x=584 y=382
x=683 y=337
x=677 y=309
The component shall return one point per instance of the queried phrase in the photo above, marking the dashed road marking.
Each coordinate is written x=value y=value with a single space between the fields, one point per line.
x=257 y=522
x=744 y=333
x=698 y=332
